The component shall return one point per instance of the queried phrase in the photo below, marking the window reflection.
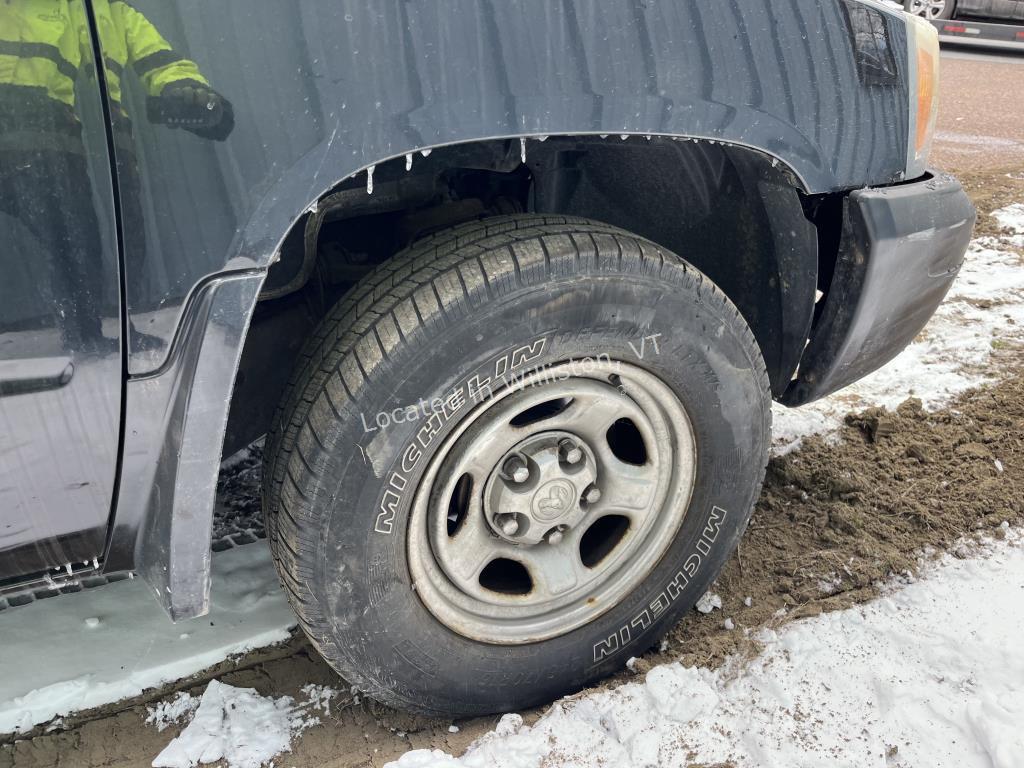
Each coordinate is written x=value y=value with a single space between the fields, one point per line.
x=876 y=64
x=177 y=95
x=46 y=190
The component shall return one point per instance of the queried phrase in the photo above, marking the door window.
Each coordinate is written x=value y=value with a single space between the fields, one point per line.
x=60 y=327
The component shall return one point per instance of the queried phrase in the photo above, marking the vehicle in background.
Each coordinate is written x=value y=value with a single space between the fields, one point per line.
x=987 y=23
x=508 y=287
x=981 y=10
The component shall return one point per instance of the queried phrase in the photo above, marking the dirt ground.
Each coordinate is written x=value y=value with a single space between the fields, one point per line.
x=980 y=132
x=835 y=518
x=979 y=126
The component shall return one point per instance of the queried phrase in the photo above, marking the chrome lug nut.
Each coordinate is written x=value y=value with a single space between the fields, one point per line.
x=570 y=452
x=555 y=537
x=507 y=524
x=516 y=470
x=592 y=495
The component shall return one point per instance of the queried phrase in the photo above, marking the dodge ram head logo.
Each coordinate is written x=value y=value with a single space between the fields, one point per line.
x=552 y=499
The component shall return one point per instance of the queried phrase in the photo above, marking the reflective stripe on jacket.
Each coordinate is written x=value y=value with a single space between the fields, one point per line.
x=43 y=44
x=40 y=47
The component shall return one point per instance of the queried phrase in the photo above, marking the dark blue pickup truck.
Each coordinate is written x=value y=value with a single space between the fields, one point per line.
x=508 y=287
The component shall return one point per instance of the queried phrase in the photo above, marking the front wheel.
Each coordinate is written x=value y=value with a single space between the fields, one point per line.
x=933 y=9
x=514 y=463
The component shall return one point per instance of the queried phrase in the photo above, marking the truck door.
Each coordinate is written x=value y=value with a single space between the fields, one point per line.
x=60 y=317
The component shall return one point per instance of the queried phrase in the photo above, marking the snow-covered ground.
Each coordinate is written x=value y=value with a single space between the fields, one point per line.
x=925 y=676
x=930 y=674
x=83 y=650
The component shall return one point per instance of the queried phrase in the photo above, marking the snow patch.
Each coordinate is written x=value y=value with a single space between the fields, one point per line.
x=930 y=674
x=975 y=140
x=509 y=724
x=1011 y=218
x=831 y=584
x=319 y=697
x=236 y=725
x=708 y=602
x=133 y=646
x=167 y=713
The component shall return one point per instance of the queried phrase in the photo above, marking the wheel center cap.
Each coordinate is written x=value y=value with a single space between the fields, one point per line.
x=541 y=485
x=553 y=500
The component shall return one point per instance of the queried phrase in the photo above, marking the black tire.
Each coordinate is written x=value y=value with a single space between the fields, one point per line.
x=420 y=325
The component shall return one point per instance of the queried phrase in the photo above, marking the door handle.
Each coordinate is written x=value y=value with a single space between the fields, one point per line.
x=40 y=374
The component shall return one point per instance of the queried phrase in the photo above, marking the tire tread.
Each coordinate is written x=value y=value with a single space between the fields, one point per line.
x=392 y=294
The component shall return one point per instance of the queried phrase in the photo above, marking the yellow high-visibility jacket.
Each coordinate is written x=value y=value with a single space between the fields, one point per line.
x=43 y=44
x=40 y=47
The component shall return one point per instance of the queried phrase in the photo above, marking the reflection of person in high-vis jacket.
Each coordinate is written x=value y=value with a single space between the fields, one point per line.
x=179 y=95
x=43 y=167
x=41 y=47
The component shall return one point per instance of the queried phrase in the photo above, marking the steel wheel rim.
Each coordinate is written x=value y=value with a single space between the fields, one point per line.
x=572 y=579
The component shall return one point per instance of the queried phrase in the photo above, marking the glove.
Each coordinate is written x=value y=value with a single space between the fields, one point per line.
x=195 y=107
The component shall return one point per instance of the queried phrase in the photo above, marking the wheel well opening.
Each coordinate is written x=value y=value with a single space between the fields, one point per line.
x=732 y=212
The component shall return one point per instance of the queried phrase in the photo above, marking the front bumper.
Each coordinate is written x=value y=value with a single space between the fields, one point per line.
x=901 y=249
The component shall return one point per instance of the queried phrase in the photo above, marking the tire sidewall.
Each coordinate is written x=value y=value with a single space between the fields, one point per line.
x=694 y=342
